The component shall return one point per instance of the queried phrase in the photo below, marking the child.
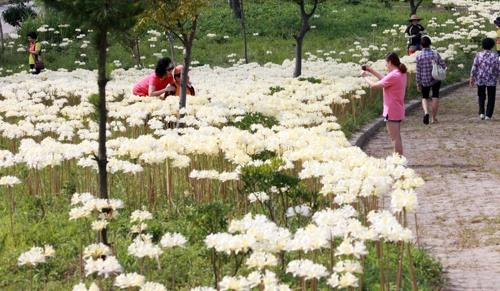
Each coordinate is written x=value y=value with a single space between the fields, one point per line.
x=485 y=72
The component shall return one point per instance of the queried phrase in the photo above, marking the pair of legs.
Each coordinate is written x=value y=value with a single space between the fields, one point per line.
x=394 y=130
x=34 y=70
x=434 y=104
x=481 y=93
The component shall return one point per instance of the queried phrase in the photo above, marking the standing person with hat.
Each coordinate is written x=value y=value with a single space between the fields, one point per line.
x=414 y=32
x=497 y=22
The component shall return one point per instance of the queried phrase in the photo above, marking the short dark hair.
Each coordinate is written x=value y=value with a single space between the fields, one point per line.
x=162 y=67
x=33 y=34
x=426 y=42
x=488 y=43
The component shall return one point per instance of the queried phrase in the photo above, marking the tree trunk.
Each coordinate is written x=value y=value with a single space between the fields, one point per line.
x=299 y=37
x=102 y=159
x=170 y=39
x=414 y=6
x=136 y=52
x=188 y=44
x=244 y=31
x=298 y=57
x=2 y=45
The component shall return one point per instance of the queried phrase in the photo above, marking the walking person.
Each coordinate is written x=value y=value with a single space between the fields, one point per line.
x=414 y=32
x=425 y=80
x=34 y=53
x=394 y=86
x=485 y=73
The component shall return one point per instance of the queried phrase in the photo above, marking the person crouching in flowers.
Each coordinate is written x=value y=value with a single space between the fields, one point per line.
x=394 y=86
x=177 y=83
x=158 y=83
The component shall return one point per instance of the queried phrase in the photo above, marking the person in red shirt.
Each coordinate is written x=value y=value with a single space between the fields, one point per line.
x=158 y=83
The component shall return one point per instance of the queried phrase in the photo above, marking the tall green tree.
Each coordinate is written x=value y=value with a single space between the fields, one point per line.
x=179 y=17
x=104 y=17
x=305 y=15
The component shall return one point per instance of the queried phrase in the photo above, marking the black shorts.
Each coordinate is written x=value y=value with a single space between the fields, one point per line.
x=387 y=119
x=435 y=90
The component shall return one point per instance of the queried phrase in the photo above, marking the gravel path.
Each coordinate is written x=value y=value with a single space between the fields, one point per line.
x=459 y=207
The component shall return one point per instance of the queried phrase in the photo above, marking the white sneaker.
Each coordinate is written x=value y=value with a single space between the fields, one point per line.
x=481 y=116
x=487 y=118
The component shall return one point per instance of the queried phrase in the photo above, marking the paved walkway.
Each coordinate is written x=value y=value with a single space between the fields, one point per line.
x=459 y=207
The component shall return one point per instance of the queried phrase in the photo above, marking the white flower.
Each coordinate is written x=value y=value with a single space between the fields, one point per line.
x=49 y=251
x=82 y=287
x=152 y=286
x=33 y=257
x=403 y=199
x=348 y=266
x=306 y=269
x=129 y=280
x=140 y=216
x=261 y=260
x=203 y=288
x=344 y=281
x=9 y=181
x=302 y=210
x=348 y=248
x=99 y=225
x=170 y=240
x=103 y=267
x=258 y=196
x=235 y=283
x=142 y=246
x=96 y=251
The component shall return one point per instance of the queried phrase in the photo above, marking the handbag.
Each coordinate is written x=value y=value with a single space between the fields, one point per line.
x=39 y=65
x=438 y=72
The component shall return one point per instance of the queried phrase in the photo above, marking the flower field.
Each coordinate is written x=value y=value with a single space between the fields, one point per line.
x=260 y=191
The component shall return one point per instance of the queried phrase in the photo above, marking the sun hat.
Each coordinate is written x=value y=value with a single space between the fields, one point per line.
x=414 y=17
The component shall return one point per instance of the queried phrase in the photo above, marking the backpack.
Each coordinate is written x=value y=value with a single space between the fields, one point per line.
x=438 y=72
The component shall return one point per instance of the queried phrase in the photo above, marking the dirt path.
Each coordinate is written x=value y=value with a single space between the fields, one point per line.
x=459 y=207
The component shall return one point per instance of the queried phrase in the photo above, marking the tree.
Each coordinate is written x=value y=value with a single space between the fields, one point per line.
x=239 y=13
x=18 y=12
x=304 y=28
x=414 y=6
x=179 y=17
x=130 y=40
x=103 y=16
x=2 y=45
